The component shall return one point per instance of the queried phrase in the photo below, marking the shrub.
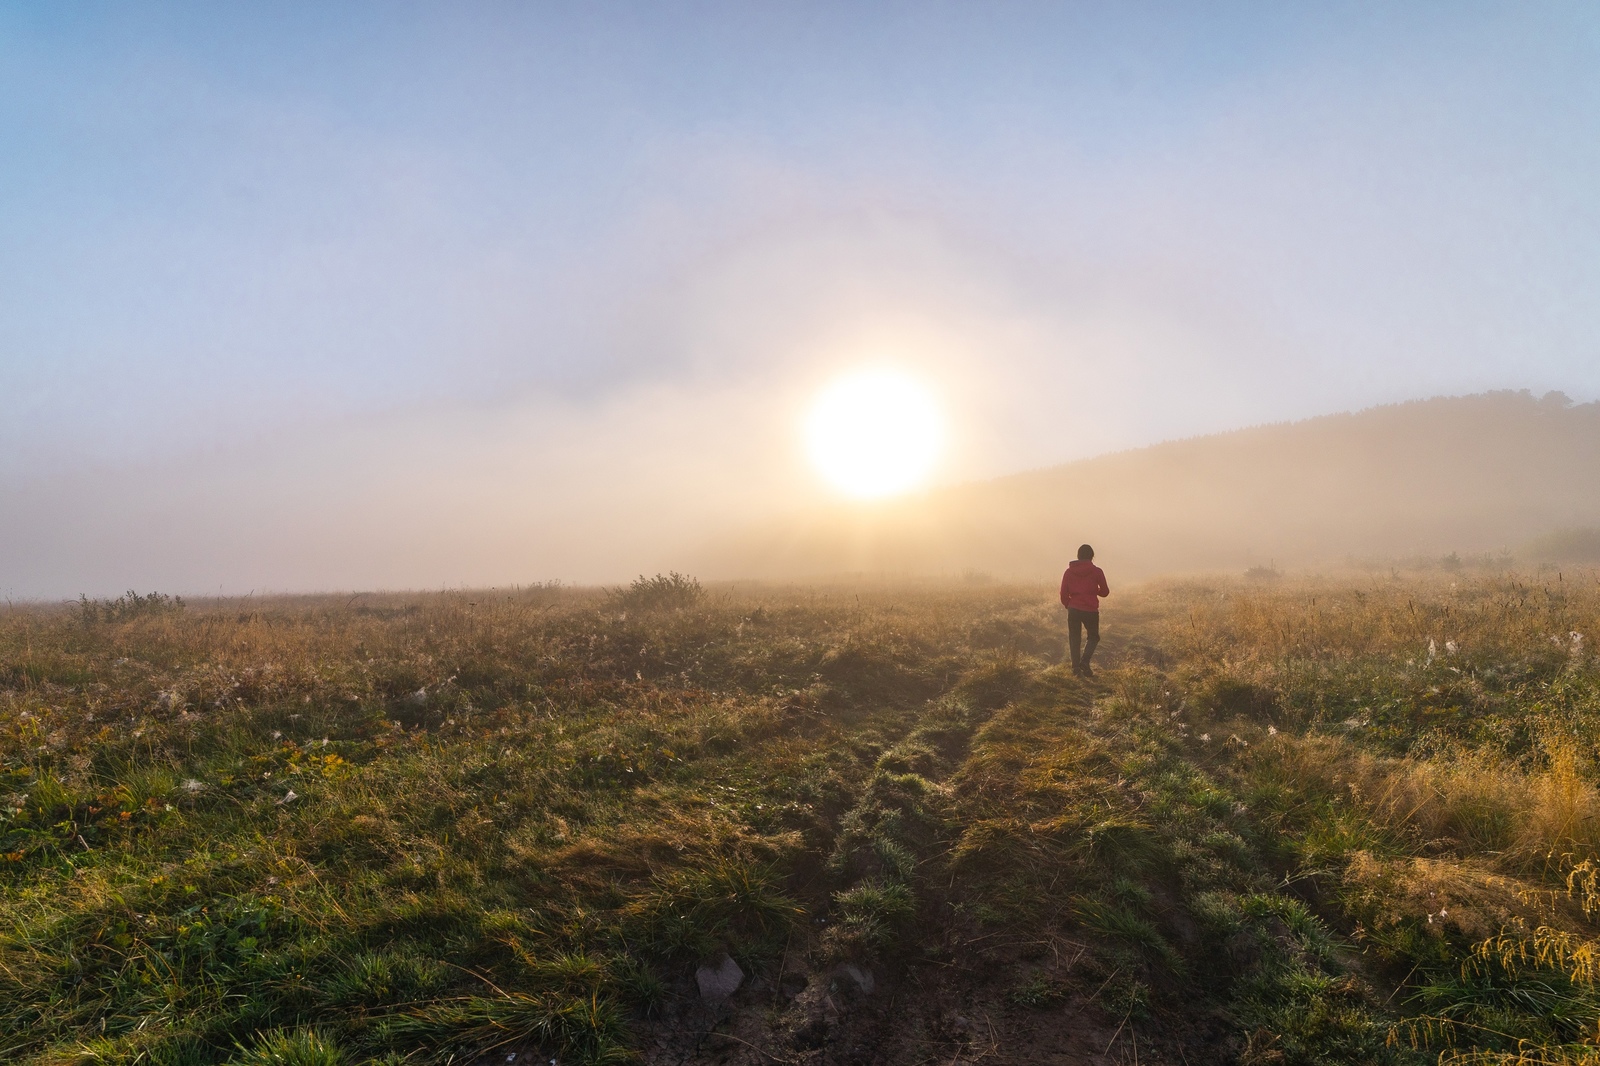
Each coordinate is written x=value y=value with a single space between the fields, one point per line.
x=672 y=591
x=128 y=606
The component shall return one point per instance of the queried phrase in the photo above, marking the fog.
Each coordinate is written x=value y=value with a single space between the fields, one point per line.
x=394 y=297
x=1498 y=480
x=434 y=501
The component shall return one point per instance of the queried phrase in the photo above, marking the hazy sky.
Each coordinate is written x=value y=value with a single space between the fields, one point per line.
x=329 y=289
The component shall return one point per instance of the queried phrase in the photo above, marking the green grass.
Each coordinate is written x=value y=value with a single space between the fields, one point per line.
x=1337 y=822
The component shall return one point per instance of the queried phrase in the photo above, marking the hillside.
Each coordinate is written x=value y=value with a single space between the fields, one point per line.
x=1474 y=474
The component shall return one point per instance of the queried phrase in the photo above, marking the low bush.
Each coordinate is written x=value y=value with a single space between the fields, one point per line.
x=662 y=592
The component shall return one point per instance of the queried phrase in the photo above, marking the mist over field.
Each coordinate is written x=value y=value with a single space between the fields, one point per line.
x=1497 y=477
x=1504 y=477
x=499 y=296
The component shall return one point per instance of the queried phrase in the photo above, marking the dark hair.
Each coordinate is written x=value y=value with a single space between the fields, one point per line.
x=1085 y=552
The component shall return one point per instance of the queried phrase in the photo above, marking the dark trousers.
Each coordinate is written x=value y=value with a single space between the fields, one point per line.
x=1077 y=622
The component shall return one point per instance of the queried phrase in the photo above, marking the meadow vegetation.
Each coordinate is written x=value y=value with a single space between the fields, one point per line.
x=1348 y=820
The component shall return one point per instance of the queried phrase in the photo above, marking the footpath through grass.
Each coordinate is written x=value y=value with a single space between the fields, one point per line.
x=1333 y=822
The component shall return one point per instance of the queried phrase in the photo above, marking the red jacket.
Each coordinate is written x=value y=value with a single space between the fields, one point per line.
x=1082 y=586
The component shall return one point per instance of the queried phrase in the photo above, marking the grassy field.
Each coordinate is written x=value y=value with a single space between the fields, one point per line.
x=1349 y=821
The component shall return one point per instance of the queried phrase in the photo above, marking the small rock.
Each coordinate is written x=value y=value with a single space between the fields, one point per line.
x=861 y=976
x=719 y=982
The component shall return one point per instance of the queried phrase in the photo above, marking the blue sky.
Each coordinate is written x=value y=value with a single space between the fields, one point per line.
x=229 y=229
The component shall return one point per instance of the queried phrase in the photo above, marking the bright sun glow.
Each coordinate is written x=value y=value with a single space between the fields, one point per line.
x=874 y=433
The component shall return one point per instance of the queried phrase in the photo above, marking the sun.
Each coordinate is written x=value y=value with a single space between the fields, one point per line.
x=874 y=433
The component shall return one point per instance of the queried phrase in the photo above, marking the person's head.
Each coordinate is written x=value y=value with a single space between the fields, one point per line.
x=1085 y=552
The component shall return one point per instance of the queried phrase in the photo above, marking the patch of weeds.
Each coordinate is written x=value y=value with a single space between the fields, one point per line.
x=993 y=684
x=1317 y=1018
x=583 y=1030
x=292 y=1047
x=128 y=606
x=1123 y=843
x=872 y=915
x=1039 y=991
x=162 y=1048
x=1122 y=994
x=881 y=834
x=638 y=984
x=375 y=979
x=1120 y=923
x=731 y=903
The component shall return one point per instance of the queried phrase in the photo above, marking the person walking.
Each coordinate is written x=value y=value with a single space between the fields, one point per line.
x=1081 y=588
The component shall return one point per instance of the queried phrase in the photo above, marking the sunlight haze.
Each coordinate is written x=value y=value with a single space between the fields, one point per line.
x=874 y=433
x=305 y=296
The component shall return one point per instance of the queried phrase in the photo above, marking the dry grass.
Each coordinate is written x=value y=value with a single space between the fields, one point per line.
x=1343 y=820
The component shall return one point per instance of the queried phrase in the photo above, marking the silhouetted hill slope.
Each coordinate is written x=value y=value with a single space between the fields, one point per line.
x=1467 y=474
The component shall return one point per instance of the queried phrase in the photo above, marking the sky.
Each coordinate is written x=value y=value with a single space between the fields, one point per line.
x=300 y=296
